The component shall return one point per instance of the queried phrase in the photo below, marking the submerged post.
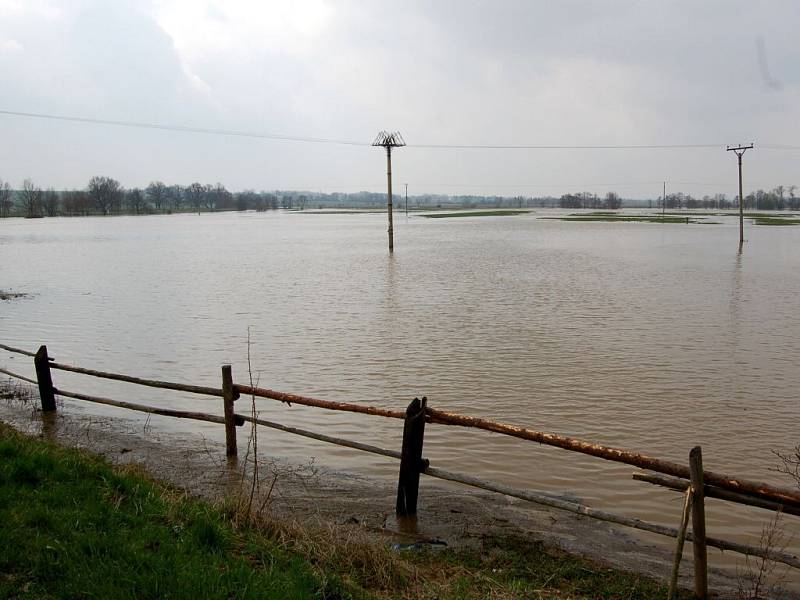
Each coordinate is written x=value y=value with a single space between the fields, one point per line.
x=411 y=464
x=229 y=396
x=389 y=140
x=46 y=393
x=739 y=151
x=698 y=523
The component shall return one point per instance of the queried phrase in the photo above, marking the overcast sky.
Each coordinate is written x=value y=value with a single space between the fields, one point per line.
x=444 y=72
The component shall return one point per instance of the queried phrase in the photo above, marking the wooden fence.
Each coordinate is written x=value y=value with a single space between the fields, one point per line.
x=691 y=479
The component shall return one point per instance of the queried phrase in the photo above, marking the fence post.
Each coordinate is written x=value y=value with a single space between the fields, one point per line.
x=698 y=523
x=411 y=458
x=229 y=396
x=46 y=394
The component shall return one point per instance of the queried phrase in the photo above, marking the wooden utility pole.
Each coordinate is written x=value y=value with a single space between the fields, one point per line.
x=664 y=202
x=389 y=140
x=739 y=151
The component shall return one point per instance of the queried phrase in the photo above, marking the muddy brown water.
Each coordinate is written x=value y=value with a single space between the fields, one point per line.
x=644 y=336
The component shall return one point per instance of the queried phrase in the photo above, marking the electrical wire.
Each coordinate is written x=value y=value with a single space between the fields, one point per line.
x=316 y=140
x=143 y=125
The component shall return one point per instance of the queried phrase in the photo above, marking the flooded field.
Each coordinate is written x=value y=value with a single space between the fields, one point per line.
x=652 y=337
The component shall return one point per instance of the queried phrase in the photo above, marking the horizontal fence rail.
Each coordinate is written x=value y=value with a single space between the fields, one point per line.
x=16 y=376
x=166 y=412
x=330 y=405
x=618 y=455
x=580 y=509
x=691 y=479
x=17 y=350
x=164 y=385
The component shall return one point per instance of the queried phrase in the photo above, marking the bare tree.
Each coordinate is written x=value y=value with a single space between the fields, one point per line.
x=217 y=197
x=157 y=194
x=105 y=193
x=31 y=199
x=175 y=197
x=50 y=202
x=195 y=194
x=612 y=201
x=5 y=199
x=134 y=199
x=75 y=202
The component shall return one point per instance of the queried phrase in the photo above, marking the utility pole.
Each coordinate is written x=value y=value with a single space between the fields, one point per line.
x=664 y=202
x=406 y=201
x=389 y=140
x=739 y=151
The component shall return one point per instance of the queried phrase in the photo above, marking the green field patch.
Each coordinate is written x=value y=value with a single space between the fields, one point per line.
x=599 y=213
x=775 y=221
x=481 y=213
x=627 y=219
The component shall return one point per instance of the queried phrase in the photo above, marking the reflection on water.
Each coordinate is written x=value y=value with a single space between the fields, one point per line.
x=648 y=337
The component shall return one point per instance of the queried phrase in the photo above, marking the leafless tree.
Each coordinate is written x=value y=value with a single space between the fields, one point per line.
x=31 y=199
x=217 y=197
x=157 y=194
x=75 y=202
x=5 y=199
x=175 y=197
x=196 y=193
x=135 y=202
x=105 y=193
x=50 y=202
x=612 y=201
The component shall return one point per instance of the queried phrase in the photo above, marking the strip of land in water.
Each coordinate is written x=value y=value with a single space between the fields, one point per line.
x=478 y=213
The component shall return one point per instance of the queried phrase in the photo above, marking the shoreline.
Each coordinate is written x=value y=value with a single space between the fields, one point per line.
x=310 y=493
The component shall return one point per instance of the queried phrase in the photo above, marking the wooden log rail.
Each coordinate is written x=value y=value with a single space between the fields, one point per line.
x=321 y=437
x=165 y=385
x=763 y=490
x=17 y=376
x=580 y=509
x=17 y=350
x=681 y=485
x=167 y=412
x=330 y=405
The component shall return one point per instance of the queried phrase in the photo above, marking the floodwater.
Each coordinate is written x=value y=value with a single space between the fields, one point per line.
x=649 y=337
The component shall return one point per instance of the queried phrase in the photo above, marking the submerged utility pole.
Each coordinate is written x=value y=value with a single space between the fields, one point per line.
x=406 y=201
x=739 y=151
x=664 y=202
x=389 y=140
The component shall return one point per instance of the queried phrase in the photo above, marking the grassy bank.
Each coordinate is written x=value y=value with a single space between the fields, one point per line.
x=74 y=526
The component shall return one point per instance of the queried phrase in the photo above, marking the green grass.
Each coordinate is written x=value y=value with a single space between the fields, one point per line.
x=775 y=221
x=610 y=217
x=597 y=213
x=482 y=213
x=73 y=526
x=516 y=567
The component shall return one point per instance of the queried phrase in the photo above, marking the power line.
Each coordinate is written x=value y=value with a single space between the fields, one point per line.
x=319 y=140
x=143 y=125
x=560 y=147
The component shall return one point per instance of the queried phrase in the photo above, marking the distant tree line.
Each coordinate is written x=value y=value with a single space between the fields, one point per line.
x=106 y=196
x=780 y=198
